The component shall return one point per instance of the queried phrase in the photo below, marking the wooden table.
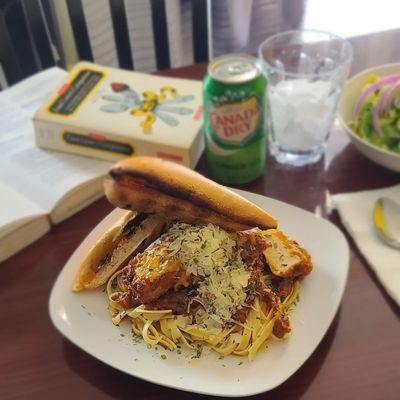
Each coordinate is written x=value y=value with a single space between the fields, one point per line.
x=359 y=358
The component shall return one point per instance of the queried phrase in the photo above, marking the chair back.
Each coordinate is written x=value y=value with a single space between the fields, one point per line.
x=25 y=46
x=122 y=13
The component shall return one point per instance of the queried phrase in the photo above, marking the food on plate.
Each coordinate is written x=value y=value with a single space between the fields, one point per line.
x=156 y=186
x=131 y=234
x=297 y=261
x=377 y=112
x=212 y=270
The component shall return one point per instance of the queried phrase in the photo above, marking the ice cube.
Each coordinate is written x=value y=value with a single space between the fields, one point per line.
x=300 y=112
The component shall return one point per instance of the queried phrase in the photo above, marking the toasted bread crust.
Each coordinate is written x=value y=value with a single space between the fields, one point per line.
x=113 y=249
x=131 y=195
x=168 y=180
x=86 y=271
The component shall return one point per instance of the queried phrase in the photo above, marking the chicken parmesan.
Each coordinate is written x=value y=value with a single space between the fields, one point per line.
x=199 y=284
x=195 y=264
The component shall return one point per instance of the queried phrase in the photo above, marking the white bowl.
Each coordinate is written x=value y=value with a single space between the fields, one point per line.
x=350 y=94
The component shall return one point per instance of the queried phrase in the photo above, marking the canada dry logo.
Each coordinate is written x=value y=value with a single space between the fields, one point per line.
x=235 y=122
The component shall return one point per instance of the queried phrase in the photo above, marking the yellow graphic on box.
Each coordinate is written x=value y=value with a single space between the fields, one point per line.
x=165 y=105
x=150 y=101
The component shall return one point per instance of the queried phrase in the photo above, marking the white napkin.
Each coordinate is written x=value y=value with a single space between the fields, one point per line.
x=355 y=210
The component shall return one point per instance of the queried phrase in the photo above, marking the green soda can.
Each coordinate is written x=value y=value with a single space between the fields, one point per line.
x=234 y=103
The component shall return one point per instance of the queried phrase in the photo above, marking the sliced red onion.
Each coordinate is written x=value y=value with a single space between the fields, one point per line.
x=380 y=104
x=372 y=88
x=375 y=122
x=391 y=92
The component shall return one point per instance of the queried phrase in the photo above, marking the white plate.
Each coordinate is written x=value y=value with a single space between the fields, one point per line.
x=83 y=318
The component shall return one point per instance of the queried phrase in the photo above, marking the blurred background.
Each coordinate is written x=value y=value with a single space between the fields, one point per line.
x=149 y=35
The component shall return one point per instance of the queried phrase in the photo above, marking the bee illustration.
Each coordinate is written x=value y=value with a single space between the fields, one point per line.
x=151 y=106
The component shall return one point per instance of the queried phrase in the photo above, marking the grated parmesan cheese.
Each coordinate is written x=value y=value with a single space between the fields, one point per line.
x=209 y=252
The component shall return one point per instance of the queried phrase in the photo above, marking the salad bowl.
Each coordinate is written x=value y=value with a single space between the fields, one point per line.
x=350 y=96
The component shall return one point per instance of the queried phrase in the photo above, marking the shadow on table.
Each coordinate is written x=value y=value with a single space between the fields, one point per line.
x=115 y=384
x=351 y=171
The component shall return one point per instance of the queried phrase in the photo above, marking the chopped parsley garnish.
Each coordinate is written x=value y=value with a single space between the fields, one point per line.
x=199 y=350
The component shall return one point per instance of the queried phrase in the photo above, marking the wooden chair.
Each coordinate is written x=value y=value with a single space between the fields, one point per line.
x=30 y=41
x=25 y=38
x=121 y=32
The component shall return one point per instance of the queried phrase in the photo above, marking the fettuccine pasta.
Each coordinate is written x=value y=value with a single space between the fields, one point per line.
x=162 y=327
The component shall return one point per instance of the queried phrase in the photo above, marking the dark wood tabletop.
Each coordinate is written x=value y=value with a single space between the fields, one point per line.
x=359 y=357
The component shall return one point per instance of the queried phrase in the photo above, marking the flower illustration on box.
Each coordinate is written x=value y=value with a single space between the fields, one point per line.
x=164 y=105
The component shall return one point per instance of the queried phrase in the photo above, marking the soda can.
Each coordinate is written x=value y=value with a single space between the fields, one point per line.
x=234 y=103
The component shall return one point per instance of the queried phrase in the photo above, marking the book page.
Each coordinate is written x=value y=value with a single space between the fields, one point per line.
x=30 y=93
x=42 y=176
x=15 y=210
x=22 y=236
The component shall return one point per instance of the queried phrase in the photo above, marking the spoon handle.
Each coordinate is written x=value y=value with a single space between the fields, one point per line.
x=381 y=221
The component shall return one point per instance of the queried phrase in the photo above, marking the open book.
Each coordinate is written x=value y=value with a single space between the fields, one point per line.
x=38 y=187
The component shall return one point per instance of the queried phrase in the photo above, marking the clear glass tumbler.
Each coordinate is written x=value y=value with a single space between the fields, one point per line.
x=306 y=71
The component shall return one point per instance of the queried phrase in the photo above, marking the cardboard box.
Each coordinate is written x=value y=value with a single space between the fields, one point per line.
x=109 y=113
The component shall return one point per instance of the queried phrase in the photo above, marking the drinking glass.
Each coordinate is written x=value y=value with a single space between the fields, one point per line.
x=306 y=71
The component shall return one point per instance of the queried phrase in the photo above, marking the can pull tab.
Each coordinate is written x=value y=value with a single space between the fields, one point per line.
x=239 y=68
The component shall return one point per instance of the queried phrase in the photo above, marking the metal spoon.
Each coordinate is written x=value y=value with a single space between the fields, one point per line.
x=386 y=217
